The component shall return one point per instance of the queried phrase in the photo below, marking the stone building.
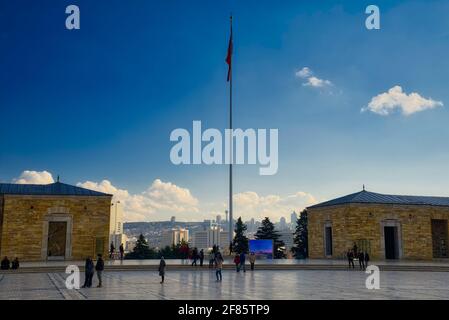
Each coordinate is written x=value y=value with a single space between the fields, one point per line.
x=53 y=222
x=386 y=226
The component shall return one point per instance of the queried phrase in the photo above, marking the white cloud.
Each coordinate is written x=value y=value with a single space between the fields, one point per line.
x=164 y=199
x=395 y=98
x=311 y=80
x=159 y=201
x=304 y=73
x=251 y=205
x=318 y=83
x=34 y=177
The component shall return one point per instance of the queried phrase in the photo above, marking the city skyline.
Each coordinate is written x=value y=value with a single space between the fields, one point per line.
x=99 y=113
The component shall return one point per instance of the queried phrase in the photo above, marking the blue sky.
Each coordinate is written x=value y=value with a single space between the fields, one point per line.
x=99 y=103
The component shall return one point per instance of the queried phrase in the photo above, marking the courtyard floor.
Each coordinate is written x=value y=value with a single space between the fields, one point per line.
x=262 y=284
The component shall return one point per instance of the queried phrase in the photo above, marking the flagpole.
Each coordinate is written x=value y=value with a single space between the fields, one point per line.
x=231 y=226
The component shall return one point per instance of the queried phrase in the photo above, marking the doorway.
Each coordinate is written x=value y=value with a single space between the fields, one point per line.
x=328 y=241
x=57 y=236
x=439 y=238
x=391 y=242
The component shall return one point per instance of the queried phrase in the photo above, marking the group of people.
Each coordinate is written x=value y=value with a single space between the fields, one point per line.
x=361 y=256
x=240 y=259
x=197 y=256
x=6 y=264
x=112 y=251
x=90 y=269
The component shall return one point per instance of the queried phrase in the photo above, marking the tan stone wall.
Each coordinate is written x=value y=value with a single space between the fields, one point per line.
x=23 y=224
x=356 y=221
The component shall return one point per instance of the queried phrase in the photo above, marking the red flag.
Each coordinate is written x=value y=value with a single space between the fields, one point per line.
x=229 y=56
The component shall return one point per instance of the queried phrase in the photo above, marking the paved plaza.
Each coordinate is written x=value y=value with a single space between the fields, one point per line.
x=283 y=284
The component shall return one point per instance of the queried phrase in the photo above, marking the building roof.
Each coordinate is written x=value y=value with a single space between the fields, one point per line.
x=52 y=189
x=378 y=198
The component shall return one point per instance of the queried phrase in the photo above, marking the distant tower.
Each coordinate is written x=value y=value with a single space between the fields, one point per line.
x=173 y=219
x=226 y=213
x=293 y=217
x=218 y=219
x=282 y=223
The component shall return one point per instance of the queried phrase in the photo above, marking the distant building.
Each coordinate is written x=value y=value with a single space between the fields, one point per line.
x=54 y=221
x=174 y=237
x=130 y=244
x=287 y=237
x=282 y=224
x=218 y=219
x=251 y=226
x=207 y=223
x=116 y=224
x=293 y=218
x=173 y=219
x=206 y=239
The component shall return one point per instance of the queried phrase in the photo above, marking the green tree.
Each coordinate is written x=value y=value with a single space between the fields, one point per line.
x=267 y=231
x=301 y=248
x=240 y=241
x=141 y=250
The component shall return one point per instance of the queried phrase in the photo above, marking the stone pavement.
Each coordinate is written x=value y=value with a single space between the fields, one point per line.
x=286 y=284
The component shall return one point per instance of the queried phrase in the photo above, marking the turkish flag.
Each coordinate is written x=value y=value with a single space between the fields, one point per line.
x=229 y=56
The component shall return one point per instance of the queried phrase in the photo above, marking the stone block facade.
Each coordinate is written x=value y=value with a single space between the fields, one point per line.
x=25 y=219
x=364 y=224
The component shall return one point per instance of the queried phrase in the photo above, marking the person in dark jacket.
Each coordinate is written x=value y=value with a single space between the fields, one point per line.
x=366 y=259
x=111 y=251
x=99 y=267
x=350 y=256
x=201 y=257
x=15 y=264
x=122 y=251
x=361 y=257
x=5 y=263
x=194 y=256
x=242 y=261
x=162 y=265
x=88 y=273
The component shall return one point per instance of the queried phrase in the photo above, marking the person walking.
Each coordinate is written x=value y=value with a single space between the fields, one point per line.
x=15 y=264
x=122 y=251
x=99 y=267
x=194 y=256
x=350 y=256
x=242 y=261
x=88 y=273
x=5 y=263
x=361 y=257
x=366 y=259
x=252 y=260
x=162 y=266
x=237 y=262
x=218 y=267
x=201 y=257
x=111 y=251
